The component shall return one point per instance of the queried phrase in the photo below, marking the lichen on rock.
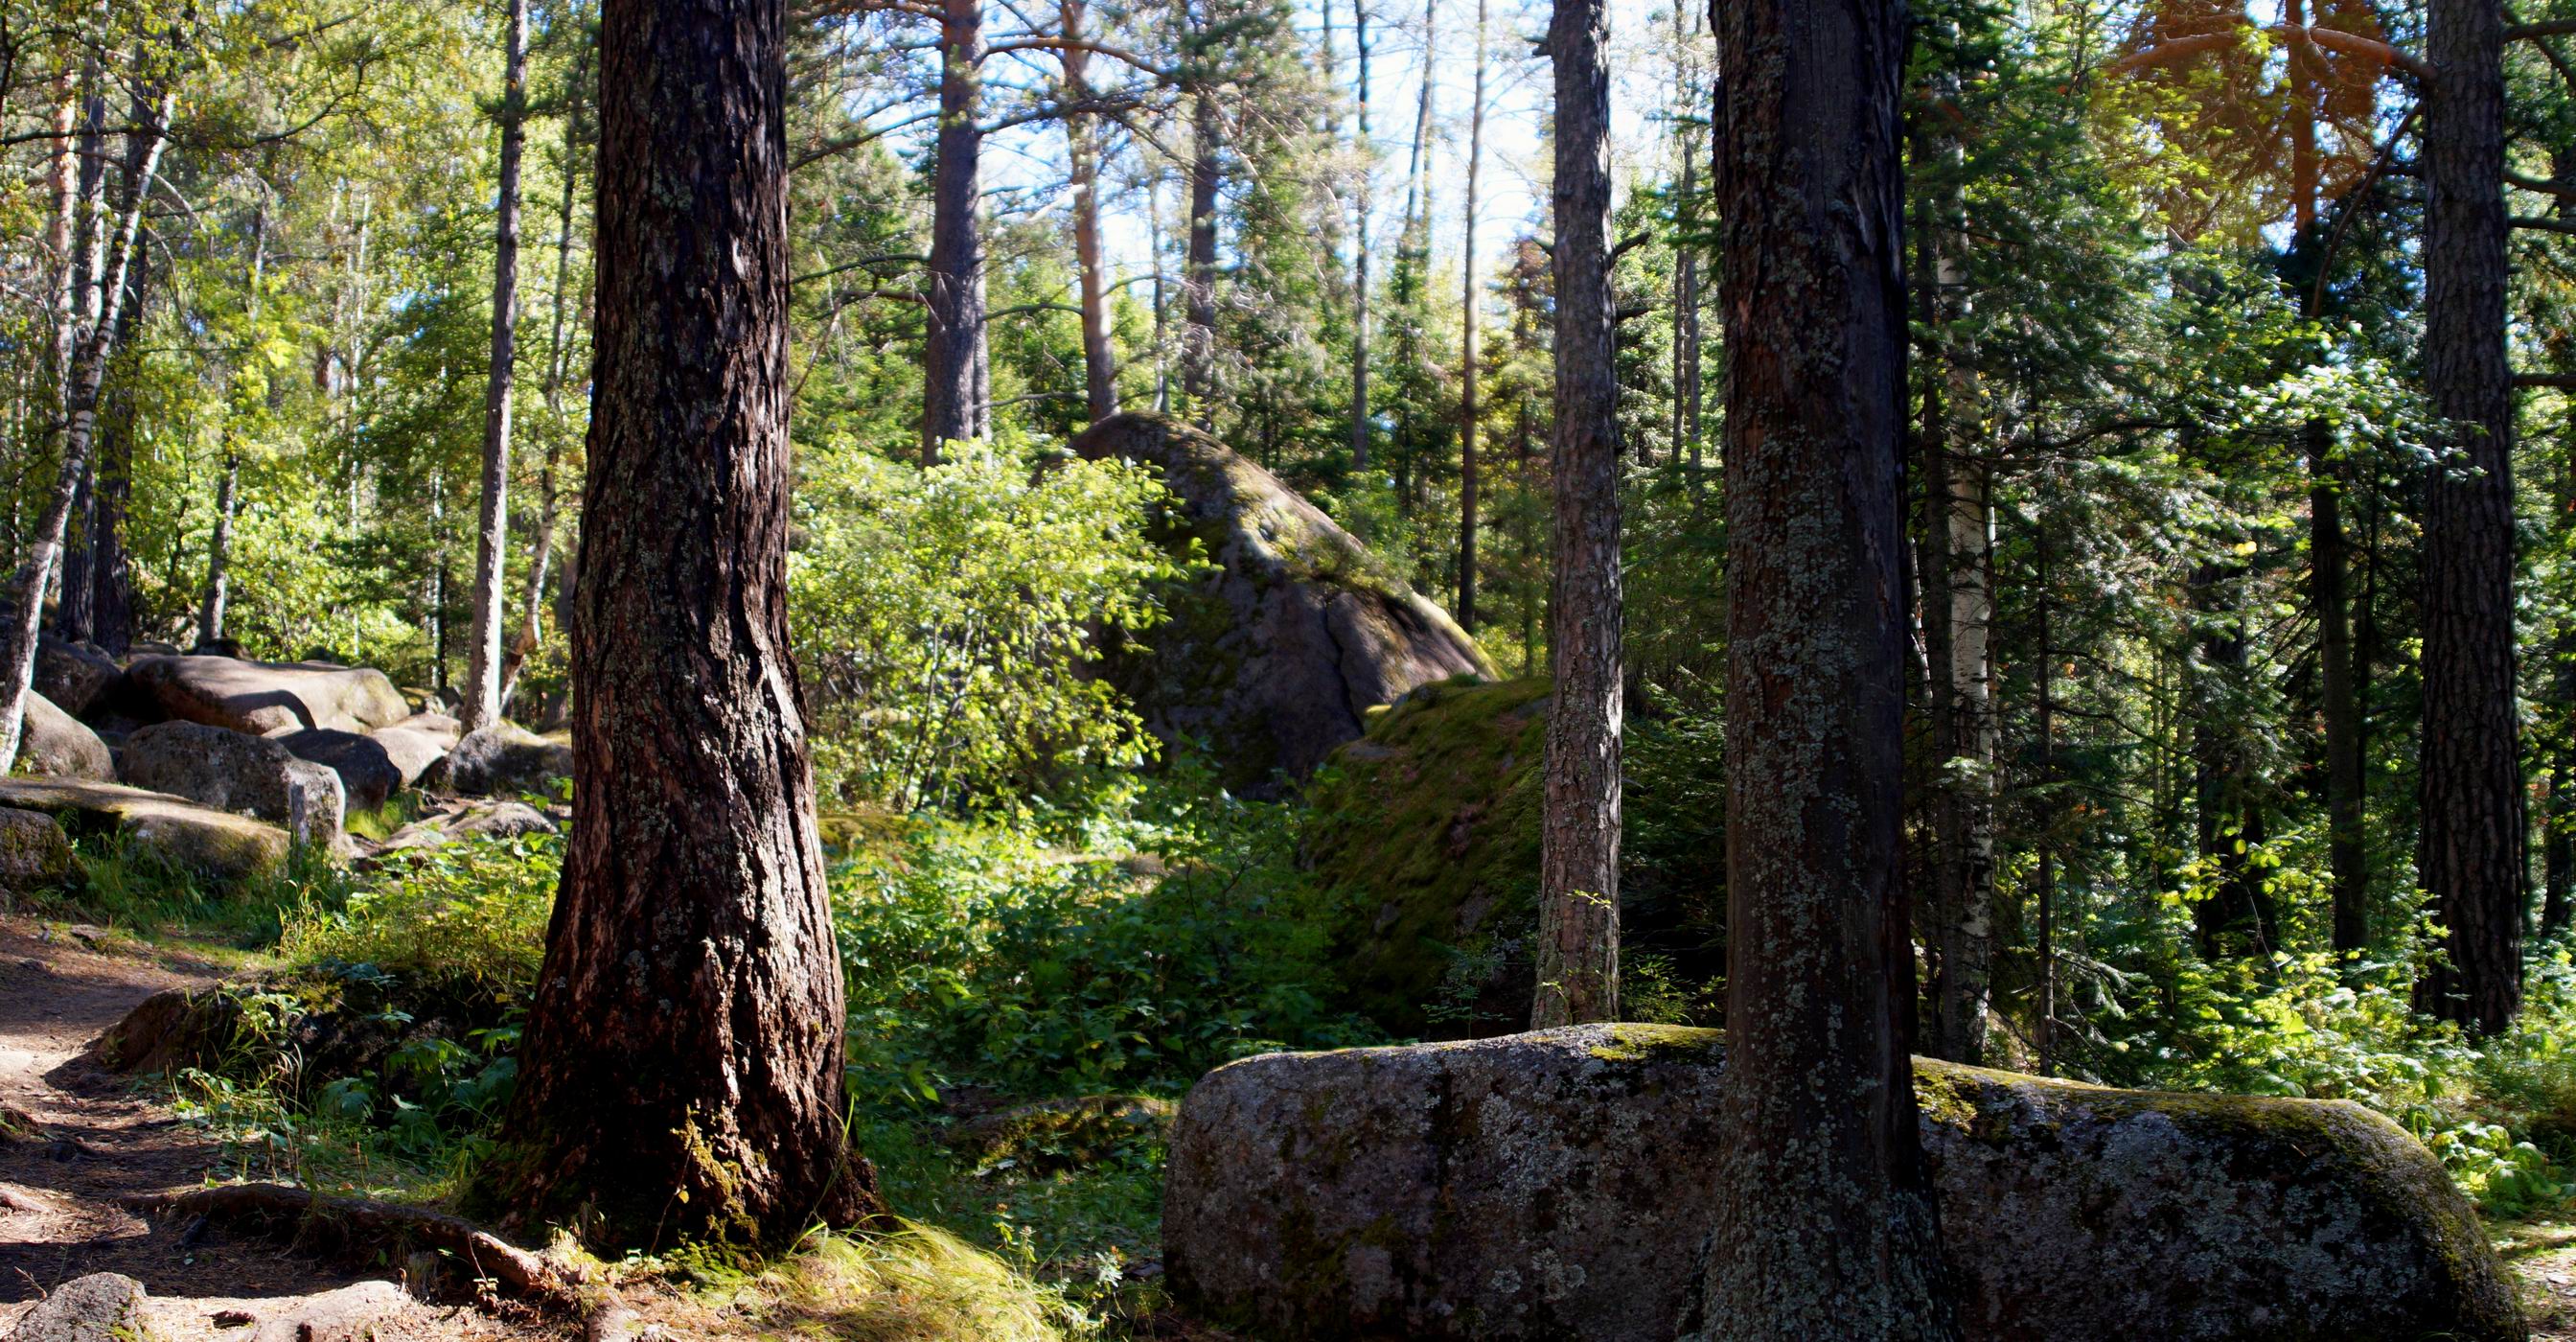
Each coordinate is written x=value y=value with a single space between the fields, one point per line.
x=1556 y=1185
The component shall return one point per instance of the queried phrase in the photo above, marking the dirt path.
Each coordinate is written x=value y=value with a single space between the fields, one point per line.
x=102 y=1139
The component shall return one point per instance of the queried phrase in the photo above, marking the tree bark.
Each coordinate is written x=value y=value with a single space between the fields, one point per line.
x=1825 y=1224
x=219 y=544
x=2329 y=585
x=683 y=1054
x=482 y=706
x=2473 y=836
x=1082 y=145
x=89 y=370
x=1471 y=373
x=1360 y=247
x=1198 y=351
x=1578 y=893
x=952 y=408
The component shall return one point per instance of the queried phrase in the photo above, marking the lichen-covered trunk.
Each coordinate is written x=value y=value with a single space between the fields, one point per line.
x=483 y=676
x=91 y=351
x=1578 y=892
x=952 y=408
x=1825 y=1225
x=2471 y=855
x=682 y=1064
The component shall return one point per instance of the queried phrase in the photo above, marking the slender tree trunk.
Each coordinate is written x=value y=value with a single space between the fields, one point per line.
x=2473 y=831
x=89 y=370
x=558 y=372
x=1198 y=353
x=2044 y=1025
x=1471 y=371
x=1578 y=892
x=1360 y=246
x=683 y=1056
x=1686 y=355
x=111 y=580
x=2329 y=571
x=492 y=523
x=1154 y=249
x=2558 y=829
x=1825 y=1224
x=955 y=357
x=219 y=544
x=1099 y=354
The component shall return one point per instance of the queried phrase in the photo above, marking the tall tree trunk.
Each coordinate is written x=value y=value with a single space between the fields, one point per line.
x=1578 y=889
x=954 y=360
x=2473 y=833
x=558 y=371
x=1154 y=249
x=1099 y=355
x=1825 y=1224
x=682 y=1065
x=1360 y=246
x=1686 y=342
x=1471 y=373
x=2329 y=572
x=492 y=523
x=111 y=579
x=96 y=343
x=1198 y=352
x=219 y=544
x=2044 y=1020
x=2558 y=829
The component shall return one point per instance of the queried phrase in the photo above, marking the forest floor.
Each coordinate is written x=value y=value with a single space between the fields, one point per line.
x=104 y=1140
x=2542 y=1253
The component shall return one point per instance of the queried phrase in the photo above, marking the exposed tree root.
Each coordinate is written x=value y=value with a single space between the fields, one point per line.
x=522 y=1274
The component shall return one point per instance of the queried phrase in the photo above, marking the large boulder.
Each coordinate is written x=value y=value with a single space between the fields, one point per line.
x=218 y=844
x=418 y=744
x=54 y=744
x=262 y=698
x=101 y=1307
x=1273 y=656
x=502 y=760
x=368 y=773
x=1557 y=1185
x=76 y=676
x=232 y=772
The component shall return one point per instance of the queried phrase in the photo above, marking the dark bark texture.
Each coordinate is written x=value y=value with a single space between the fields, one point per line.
x=1825 y=1225
x=683 y=1056
x=2471 y=859
x=953 y=404
x=1578 y=937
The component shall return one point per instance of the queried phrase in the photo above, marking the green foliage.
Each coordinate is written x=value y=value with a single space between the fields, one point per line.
x=472 y=911
x=942 y=615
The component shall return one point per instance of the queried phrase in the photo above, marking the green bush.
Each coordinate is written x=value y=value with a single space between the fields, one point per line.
x=473 y=911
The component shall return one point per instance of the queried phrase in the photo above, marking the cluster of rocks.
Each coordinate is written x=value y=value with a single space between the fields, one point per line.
x=223 y=765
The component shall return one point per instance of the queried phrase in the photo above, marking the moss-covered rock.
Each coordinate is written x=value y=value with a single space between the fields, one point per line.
x=1275 y=654
x=215 y=843
x=1556 y=1185
x=1423 y=836
x=34 y=851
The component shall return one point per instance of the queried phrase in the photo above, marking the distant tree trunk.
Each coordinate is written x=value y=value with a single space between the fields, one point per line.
x=1154 y=249
x=91 y=351
x=1578 y=887
x=682 y=1064
x=1099 y=354
x=558 y=372
x=951 y=410
x=1825 y=1225
x=2558 y=827
x=483 y=677
x=1198 y=353
x=1686 y=339
x=2044 y=1020
x=1360 y=246
x=111 y=578
x=2473 y=830
x=1471 y=373
x=2239 y=917
x=2329 y=572
x=219 y=554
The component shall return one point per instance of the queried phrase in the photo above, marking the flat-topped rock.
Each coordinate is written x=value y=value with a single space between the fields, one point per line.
x=216 y=843
x=1556 y=1185
x=262 y=698
x=229 y=771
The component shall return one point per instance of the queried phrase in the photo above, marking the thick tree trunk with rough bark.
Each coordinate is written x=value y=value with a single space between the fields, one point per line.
x=682 y=1065
x=2471 y=859
x=1825 y=1224
x=1578 y=891
x=482 y=705
x=952 y=406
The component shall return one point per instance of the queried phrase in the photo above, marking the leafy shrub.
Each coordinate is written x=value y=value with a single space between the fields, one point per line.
x=473 y=911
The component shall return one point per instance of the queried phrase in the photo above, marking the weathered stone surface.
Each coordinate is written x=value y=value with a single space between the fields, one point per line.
x=502 y=760
x=74 y=675
x=263 y=698
x=54 y=744
x=368 y=773
x=33 y=849
x=1556 y=1185
x=200 y=838
x=232 y=772
x=101 y=1307
x=355 y=1313
x=1273 y=657
x=417 y=745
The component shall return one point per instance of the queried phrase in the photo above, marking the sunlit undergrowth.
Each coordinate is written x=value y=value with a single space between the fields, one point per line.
x=136 y=888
